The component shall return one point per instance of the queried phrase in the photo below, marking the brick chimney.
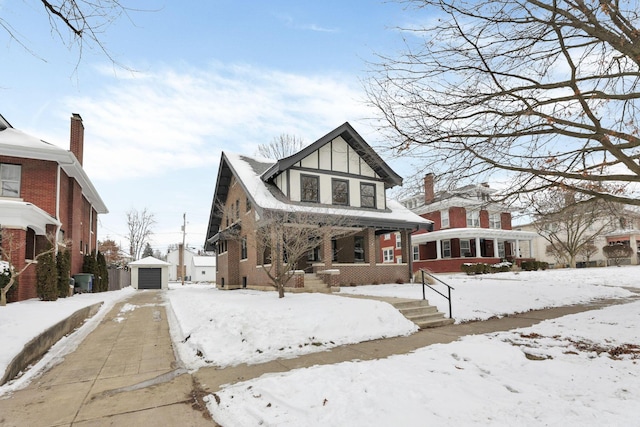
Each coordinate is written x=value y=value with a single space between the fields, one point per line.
x=77 y=136
x=429 y=194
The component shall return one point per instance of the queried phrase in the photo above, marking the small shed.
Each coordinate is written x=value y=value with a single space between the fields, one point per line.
x=203 y=269
x=149 y=273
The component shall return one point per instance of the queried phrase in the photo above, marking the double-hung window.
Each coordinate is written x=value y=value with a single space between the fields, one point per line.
x=446 y=249
x=473 y=219
x=387 y=255
x=444 y=219
x=10 y=180
x=494 y=221
x=465 y=247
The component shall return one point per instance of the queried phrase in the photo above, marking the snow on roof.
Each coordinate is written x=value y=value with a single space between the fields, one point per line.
x=151 y=261
x=204 y=261
x=15 y=143
x=265 y=195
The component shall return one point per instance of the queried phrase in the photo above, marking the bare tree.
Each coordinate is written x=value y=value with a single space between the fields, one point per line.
x=571 y=221
x=9 y=274
x=111 y=251
x=78 y=23
x=283 y=146
x=544 y=90
x=140 y=226
x=587 y=251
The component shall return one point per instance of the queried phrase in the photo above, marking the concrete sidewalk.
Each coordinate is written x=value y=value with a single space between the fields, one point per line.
x=125 y=372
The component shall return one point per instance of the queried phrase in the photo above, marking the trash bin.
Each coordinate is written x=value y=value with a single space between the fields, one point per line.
x=83 y=282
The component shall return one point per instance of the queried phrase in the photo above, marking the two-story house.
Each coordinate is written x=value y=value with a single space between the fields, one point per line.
x=468 y=227
x=45 y=194
x=339 y=175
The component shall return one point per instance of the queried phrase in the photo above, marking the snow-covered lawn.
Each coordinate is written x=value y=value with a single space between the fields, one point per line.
x=483 y=296
x=582 y=369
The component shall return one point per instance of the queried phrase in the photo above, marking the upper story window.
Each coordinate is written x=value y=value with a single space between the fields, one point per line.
x=340 y=191
x=309 y=188
x=494 y=221
x=398 y=241
x=10 y=180
x=247 y=205
x=444 y=219
x=473 y=219
x=367 y=195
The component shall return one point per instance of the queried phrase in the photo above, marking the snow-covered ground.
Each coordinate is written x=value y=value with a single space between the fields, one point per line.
x=442 y=384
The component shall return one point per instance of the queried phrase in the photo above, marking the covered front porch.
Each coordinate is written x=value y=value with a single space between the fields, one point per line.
x=445 y=251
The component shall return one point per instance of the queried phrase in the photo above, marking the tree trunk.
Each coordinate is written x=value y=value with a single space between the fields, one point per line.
x=280 y=290
x=3 y=297
x=572 y=261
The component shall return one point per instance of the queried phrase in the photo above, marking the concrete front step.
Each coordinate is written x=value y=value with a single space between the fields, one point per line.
x=422 y=313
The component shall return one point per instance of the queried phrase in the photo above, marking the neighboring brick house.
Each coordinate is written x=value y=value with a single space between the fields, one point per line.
x=468 y=227
x=45 y=191
x=338 y=175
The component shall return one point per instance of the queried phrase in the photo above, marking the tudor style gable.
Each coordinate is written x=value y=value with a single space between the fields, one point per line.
x=339 y=169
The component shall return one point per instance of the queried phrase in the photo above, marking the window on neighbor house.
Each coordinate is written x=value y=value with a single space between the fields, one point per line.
x=243 y=248
x=340 y=191
x=398 y=241
x=367 y=195
x=237 y=209
x=473 y=219
x=247 y=205
x=465 y=247
x=494 y=221
x=399 y=259
x=387 y=236
x=10 y=180
x=387 y=255
x=204 y=272
x=446 y=249
x=444 y=219
x=416 y=253
x=309 y=188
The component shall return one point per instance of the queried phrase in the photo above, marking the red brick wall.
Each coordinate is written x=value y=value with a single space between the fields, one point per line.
x=457 y=218
x=505 y=220
x=38 y=182
x=484 y=219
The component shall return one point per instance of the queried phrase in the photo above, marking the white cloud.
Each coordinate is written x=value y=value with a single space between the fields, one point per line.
x=182 y=118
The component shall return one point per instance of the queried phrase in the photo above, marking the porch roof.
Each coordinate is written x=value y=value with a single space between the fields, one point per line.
x=19 y=214
x=467 y=233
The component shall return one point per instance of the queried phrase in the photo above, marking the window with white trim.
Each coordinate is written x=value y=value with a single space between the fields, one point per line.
x=416 y=252
x=494 y=221
x=501 y=252
x=398 y=241
x=473 y=219
x=446 y=249
x=387 y=255
x=10 y=180
x=444 y=219
x=465 y=247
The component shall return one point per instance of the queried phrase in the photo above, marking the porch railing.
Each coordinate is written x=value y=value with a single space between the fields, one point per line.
x=425 y=273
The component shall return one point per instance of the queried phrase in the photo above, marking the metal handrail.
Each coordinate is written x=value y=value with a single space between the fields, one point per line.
x=449 y=288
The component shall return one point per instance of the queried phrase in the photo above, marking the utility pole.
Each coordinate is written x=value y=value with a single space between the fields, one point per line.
x=184 y=231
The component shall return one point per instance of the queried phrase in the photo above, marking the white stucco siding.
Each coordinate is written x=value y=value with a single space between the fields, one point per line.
x=340 y=155
x=281 y=183
x=354 y=162
x=325 y=157
x=311 y=161
x=365 y=170
x=294 y=186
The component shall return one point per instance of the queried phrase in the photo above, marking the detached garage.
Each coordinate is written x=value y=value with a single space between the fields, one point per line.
x=149 y=273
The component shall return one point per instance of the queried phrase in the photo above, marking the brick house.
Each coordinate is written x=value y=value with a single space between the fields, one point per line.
x=337 y=175
x=45 y=191
x=468 y=227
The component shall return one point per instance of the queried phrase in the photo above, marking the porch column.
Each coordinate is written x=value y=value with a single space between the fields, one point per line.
x=518 y=248
x=438 y=249
x=372 y=247
x=531 y=254
x=327 y=251
x=478 y=248
x=496 y=253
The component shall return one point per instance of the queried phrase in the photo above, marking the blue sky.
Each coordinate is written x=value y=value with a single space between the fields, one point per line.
x=204 y=76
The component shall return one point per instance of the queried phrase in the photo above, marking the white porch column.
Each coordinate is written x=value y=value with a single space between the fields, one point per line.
x=517 y=248
x=496 y=254
x=438 y=249
x=531 y=254
x=478 y=250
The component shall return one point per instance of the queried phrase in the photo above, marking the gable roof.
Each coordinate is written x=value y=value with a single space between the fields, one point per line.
x=255 y=177
x=353 y=138
x=15 y=143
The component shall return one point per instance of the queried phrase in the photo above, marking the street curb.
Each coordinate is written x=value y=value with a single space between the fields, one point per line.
x=38 y=346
